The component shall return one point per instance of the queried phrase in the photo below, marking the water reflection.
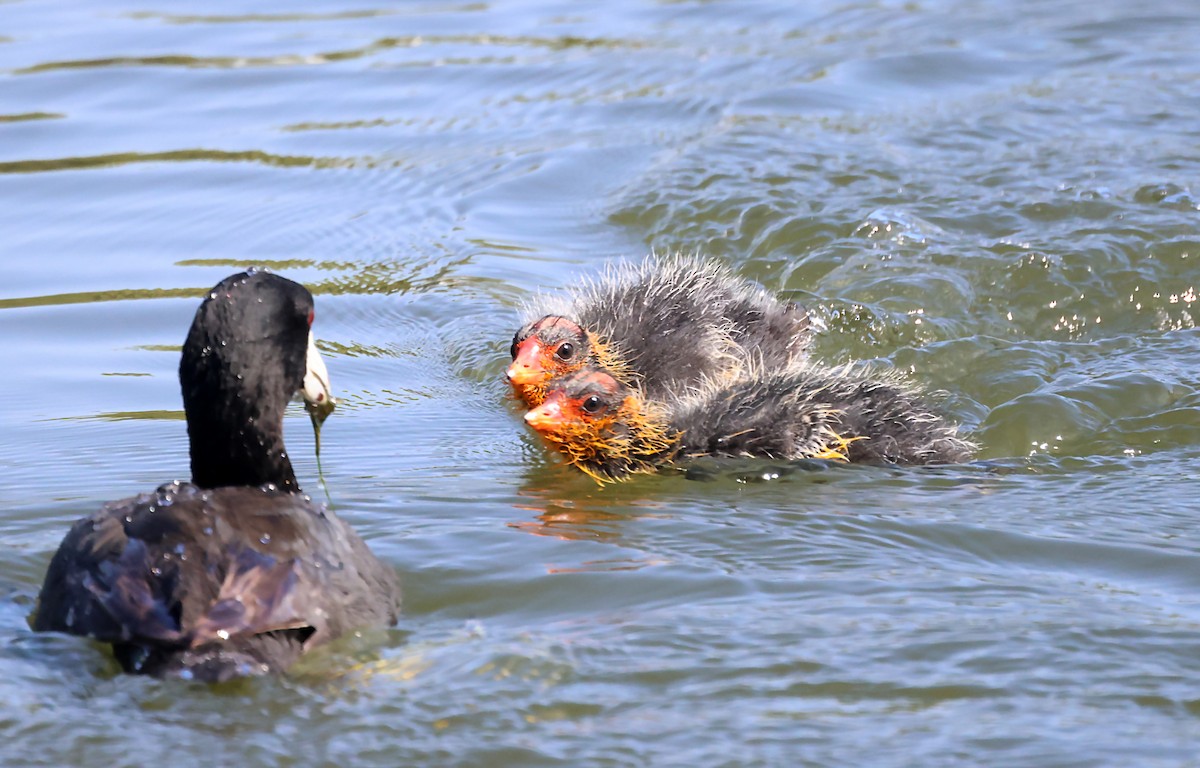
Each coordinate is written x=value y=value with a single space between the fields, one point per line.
x=266 y=18
x=567 y=505
x=90 y=297
x=30 y=115
x=470 y=42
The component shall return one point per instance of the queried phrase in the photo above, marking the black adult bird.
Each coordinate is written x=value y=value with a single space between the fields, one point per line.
x=236 y=573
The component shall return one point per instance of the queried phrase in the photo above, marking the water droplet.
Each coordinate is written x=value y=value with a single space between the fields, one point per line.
x=178 y=549
x=212 y=295
x=223 y=634
x=264 y=539
x=208 y=530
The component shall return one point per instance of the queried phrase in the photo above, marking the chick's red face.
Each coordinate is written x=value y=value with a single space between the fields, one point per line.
x=580 y=403
x=547 y=348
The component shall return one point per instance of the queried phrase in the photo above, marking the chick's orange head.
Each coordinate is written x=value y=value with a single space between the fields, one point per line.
x=546 y=348
x=582 y=402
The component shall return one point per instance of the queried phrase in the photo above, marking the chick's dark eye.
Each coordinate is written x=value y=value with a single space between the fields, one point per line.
x=565 y=351
x=592 y=404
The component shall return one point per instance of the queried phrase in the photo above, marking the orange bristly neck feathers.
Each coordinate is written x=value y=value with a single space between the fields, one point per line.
x=636 y=438
x=608 y=357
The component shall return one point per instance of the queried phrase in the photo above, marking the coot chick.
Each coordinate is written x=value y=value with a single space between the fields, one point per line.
x=668 y=323
x=609 y=429
x=236 y=573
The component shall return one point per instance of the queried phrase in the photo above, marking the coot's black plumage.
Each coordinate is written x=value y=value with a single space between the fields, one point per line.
x=668 y=324
x=237 y=572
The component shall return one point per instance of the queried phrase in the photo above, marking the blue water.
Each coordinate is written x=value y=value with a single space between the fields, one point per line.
x=994 y=199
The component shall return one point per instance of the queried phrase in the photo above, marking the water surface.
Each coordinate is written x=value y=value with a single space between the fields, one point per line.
x=992 y=198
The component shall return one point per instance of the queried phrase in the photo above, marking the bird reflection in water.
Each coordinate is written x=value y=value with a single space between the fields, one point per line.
x=561 y=511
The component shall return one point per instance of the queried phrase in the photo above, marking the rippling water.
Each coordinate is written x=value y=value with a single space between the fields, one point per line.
x=993 y=197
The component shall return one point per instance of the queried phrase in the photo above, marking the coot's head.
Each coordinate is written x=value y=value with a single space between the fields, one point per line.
x=249 y=350
x=544 y=349
x=604 y=427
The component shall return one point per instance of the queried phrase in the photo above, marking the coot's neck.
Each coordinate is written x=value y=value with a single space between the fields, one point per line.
x=235 y=409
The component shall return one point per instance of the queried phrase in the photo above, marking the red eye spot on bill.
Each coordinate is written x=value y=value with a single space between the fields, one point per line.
x=312 y=313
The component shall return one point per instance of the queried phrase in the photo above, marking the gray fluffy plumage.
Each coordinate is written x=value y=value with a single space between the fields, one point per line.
x=678 y=320
x=799 y=412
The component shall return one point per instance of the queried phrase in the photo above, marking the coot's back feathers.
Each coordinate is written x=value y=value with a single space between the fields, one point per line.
x=184 y=578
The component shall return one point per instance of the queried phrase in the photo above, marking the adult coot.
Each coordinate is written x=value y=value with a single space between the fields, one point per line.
x=235 y=573
x=609 y=429
x=668 y=323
